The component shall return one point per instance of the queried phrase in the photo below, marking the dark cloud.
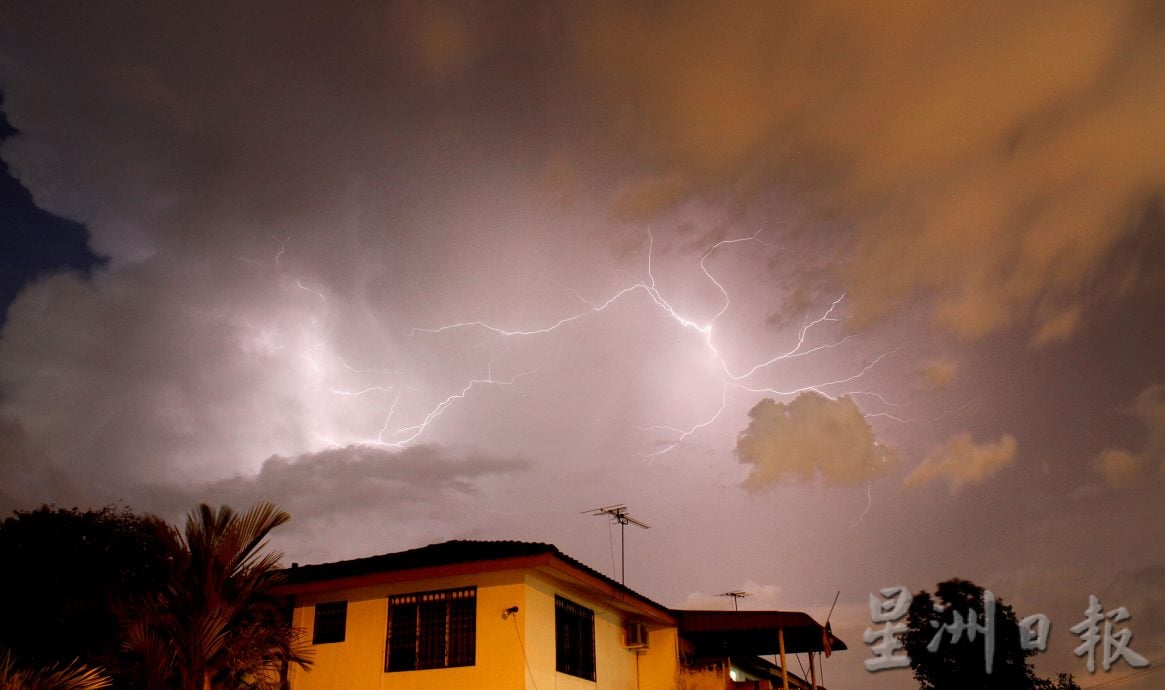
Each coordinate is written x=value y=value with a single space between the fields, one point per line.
x=353 y=480
x=993 y=159
x=357 y=500
x=285 y=194
x=996 y=158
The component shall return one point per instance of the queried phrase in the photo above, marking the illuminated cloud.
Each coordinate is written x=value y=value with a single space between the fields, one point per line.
x=281 y=211
x=962 y=462
x=813 y=436
x=133 y=376
x=939 y=373
x=996 y=160
x=1122 y=468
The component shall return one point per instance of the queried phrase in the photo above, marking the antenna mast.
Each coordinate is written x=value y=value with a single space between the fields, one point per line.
x=618 y=513
x=736 y=595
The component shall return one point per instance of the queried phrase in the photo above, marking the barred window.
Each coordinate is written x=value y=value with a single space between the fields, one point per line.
x=432 y=629
x=574 y=638
x=330 y=622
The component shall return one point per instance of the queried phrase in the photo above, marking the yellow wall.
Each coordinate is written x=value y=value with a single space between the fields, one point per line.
x=703 y=679
x=358 y=662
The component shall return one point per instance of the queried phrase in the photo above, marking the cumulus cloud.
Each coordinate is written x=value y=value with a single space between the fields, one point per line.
x=813 y=436
x=963 y=462
x=1121 y=467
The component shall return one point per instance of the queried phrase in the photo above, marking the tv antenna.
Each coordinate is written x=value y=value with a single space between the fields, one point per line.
x=736 y=595
x=618 y=513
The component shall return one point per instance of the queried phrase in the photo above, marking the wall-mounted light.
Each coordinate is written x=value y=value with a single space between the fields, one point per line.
x=509 y=612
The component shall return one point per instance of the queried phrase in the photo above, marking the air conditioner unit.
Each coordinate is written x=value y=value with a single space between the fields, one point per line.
x=636 y=635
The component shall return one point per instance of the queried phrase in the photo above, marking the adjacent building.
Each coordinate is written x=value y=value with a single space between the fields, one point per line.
x=519 y=615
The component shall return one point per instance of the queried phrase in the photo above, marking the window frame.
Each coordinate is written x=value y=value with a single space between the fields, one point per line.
x=330 y=624
x=574 y=639
x=431 y=630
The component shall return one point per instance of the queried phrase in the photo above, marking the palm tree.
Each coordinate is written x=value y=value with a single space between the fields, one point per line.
x=216 y=624
x=74 y=676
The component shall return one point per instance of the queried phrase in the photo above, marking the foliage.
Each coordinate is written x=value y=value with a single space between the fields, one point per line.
x=62 y=569
x=962 y=665
x=215 y=624
x=1064 y=681
x=73 y=676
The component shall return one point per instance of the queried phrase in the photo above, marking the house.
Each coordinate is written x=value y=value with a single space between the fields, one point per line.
x=506 y=614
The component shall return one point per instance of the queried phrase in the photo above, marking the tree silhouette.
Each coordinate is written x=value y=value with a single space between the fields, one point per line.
x=957 y=662
x=64 y=570
x=215 y=624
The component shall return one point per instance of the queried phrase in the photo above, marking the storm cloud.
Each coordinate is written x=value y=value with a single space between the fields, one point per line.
x=420 y=271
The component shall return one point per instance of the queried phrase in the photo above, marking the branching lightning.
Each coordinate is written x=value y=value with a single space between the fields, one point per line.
x=733 y=377
x=742 y=377
x=406 y=435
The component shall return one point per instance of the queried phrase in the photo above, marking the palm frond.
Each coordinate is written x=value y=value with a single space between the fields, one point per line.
x=74 y=676
x=216 y=615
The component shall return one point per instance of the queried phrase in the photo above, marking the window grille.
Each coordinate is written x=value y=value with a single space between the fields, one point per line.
x=432 y=629
x=330 y=622
x=574 y=638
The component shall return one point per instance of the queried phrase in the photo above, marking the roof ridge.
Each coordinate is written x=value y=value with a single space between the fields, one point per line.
x=448 y=553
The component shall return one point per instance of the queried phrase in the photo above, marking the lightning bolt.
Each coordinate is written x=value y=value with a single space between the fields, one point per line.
x=406 y=435
x=299 y=284
x=683 y=434
x=869 y=503
x=282 y=248
x=733 y=377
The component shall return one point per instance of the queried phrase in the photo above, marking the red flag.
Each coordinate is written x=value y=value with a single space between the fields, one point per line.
x=827 y=639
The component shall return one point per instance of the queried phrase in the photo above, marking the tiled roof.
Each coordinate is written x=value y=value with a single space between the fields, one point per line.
x=444 y=554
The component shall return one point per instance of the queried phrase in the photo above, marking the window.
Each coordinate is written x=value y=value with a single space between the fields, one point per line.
x=574 y=638
x=432 y=629
x=331 y=620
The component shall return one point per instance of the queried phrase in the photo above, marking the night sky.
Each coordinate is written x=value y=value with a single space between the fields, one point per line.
x=834 y=296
